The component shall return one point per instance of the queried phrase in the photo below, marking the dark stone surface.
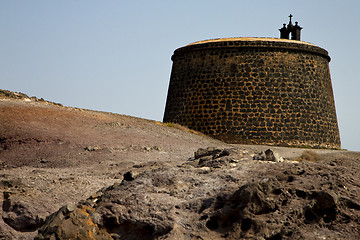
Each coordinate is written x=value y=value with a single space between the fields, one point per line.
x=18 y=216
x=275 y=92
x=244 y=200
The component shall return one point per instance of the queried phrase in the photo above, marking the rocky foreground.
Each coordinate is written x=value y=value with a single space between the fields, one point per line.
x=70 y=173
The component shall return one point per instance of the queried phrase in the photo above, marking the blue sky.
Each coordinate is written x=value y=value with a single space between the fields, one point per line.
x=115 y=55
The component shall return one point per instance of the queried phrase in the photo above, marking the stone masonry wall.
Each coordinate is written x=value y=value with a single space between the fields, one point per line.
x=275 y=92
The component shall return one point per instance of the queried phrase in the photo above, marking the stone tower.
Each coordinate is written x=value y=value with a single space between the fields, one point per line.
x=254 y=91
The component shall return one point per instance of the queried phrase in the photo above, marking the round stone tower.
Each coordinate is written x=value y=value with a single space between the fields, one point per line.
x=254 y=91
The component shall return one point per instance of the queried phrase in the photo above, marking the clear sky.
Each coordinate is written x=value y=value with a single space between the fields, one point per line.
x=114 y=55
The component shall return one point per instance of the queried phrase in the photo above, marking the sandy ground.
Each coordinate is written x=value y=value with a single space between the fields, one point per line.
x=51 y=156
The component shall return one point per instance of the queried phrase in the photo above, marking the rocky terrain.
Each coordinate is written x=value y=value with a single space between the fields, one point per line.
x=68 y=173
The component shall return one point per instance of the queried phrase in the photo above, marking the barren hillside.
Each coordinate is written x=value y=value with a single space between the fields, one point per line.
x=108 y=176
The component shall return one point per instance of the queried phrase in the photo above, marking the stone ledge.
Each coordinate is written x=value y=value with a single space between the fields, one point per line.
x=266 y=43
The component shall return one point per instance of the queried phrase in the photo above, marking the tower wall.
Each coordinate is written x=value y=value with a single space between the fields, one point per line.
x=254 y=91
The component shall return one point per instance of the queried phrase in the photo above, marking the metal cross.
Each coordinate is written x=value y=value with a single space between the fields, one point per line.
x=290 y=17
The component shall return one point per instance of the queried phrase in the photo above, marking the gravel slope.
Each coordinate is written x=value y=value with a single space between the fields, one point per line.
x=53 y=156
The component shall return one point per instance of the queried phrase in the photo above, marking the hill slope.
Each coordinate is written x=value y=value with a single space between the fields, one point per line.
x=130 y=178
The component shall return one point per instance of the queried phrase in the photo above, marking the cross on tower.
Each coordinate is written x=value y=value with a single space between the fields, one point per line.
x=290 y=16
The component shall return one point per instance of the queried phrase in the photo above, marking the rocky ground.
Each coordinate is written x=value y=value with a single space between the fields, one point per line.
x=68 y=173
